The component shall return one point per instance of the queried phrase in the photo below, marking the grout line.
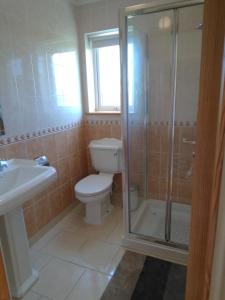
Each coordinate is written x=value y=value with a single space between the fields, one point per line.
x=75 y=284
x=42 y=253
x=49 y=240
x=83 y=266
x=47 y=263
x=40 y=295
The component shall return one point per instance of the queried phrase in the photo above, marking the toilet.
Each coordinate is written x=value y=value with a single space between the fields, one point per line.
x=95 y=190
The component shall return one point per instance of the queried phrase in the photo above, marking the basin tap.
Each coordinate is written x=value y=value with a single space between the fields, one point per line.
x=3 y=165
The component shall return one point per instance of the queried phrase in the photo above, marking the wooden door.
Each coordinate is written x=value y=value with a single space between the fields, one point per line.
x=209 y=152
x=4 y=290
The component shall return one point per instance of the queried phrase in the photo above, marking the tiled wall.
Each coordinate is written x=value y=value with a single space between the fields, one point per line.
x=157 y=153
x=42 y=112
x=183 y=163
x=66 y=152
x=152 y=177
x=38 y=50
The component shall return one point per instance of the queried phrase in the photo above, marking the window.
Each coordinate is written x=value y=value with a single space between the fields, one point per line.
x=103 y=71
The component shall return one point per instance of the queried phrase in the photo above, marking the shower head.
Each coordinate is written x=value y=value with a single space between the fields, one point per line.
x=199 y=26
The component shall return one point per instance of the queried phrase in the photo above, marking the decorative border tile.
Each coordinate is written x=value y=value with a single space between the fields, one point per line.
x=177 y=124
x=46 y=131
x=102 y=122
x=38 y=133
x=162 y=123
x=137 y=122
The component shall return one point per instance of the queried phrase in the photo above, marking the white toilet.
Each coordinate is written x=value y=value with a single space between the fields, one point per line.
x=95 y=190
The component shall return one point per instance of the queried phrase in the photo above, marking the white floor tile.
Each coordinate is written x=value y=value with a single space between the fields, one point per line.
x=31 y=296
x=57 y=279
x=90 y=286
x=72 y=242
x=72 y=221
x=115 y=237
x=65 y=245
x=111 y=268
x=39 y=259
x=96 y=255
x=100 y=232
x=46 y=238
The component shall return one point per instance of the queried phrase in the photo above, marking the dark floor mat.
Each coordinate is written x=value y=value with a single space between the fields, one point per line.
x=123 y=282
x=160 y=280
x=152 y=280
x=176 y=282
x=146 y=278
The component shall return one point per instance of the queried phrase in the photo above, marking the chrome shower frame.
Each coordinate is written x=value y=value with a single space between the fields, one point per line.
x=145 y=244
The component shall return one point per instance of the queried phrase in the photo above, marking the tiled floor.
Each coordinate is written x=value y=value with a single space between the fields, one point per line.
x=76 y=260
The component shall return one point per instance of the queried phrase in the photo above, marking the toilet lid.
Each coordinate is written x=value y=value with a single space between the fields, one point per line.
x=93 y=184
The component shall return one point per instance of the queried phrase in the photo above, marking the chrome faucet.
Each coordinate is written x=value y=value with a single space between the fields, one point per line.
x=3 y=165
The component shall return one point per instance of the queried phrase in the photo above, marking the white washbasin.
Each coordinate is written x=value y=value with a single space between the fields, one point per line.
x=22 y=180
x=19 y=182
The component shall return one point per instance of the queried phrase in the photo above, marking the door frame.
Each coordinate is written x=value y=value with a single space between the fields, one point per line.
x=217 y=288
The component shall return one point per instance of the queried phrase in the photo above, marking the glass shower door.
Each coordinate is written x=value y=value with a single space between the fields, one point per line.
x=163 y=51
x=188 y=43
x=150 y=106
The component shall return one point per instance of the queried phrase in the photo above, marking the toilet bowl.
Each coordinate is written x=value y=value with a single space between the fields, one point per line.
x=95 y=190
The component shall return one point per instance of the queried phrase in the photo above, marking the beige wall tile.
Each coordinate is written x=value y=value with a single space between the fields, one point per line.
x=154 y=140
x=55 y=199
x=42 y=211
x=63 y=170
x=154 y=165
x=34 y=148
x=30 y=221
x=49 y=147
x=66 y=195
x=164 y=139
x=17 y=150
x=62 y=147
x=153 y=188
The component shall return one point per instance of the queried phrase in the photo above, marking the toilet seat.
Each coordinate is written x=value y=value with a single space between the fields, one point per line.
x=93 y=185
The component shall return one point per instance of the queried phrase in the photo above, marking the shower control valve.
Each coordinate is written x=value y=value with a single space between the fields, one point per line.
x=186 y=141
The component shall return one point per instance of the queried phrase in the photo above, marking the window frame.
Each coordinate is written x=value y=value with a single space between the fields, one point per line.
x=109 y=38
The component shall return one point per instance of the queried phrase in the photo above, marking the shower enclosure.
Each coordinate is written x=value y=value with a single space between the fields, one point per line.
x=161 y=54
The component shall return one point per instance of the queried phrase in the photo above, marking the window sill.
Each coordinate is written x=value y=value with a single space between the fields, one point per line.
x=118 y=113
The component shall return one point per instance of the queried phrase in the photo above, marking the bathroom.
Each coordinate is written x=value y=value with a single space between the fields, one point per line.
x=109 y=102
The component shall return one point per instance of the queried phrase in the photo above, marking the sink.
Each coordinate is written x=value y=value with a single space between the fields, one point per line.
x=20 y=181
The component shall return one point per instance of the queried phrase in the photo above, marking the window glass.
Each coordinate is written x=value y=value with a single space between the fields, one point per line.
x=108 y=69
